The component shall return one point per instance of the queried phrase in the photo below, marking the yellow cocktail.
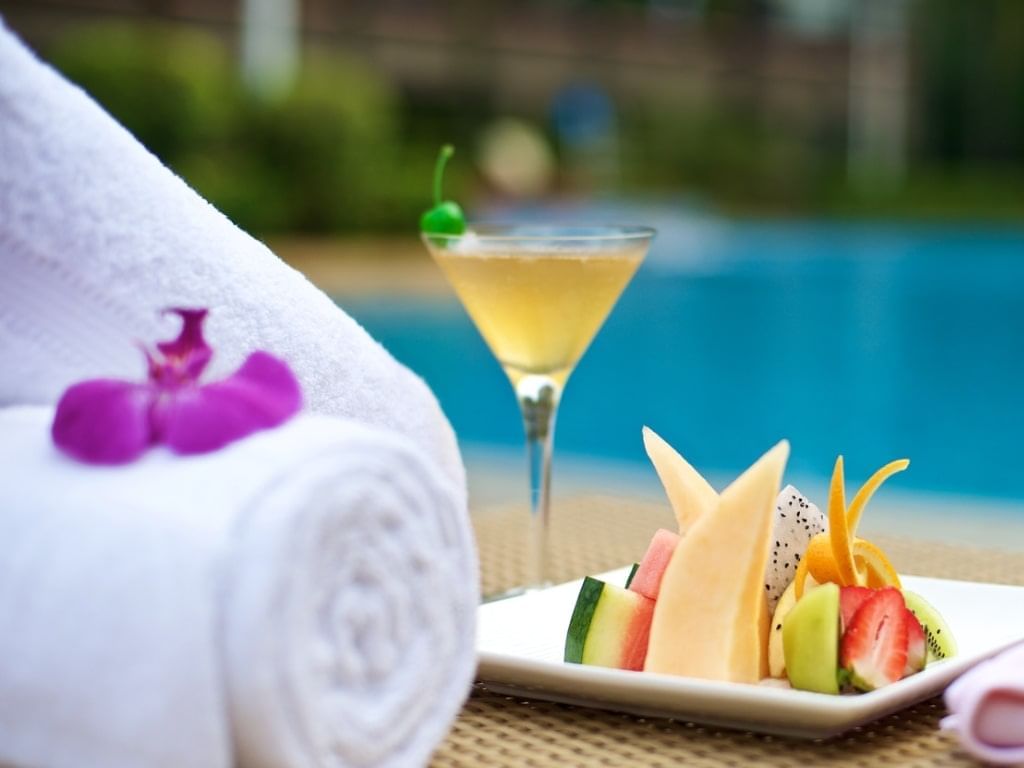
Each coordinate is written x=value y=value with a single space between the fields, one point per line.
x=538 y=297
x=539 y=310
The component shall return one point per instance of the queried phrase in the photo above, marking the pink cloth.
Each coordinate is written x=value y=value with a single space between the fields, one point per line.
x=987 y=708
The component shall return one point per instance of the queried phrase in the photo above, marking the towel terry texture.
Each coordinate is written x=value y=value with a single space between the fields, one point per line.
x=96 y=236
x=305 y=597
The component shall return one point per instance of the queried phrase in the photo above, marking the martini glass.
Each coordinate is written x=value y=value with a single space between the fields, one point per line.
x=538 y=295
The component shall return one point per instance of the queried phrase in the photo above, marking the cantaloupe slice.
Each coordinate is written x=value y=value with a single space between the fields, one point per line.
x=690 y=495
x=711 y=617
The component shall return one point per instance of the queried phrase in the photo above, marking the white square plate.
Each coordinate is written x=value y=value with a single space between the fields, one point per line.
x=520 y=643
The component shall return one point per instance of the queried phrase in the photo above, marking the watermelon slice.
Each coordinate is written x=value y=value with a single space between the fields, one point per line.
x=647 y=579
x=609 y=626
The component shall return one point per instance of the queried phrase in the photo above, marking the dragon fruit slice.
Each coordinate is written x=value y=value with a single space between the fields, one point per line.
x=796 y=521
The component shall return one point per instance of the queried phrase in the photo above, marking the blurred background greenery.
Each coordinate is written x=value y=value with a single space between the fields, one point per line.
x=902 y=108
x=787 y=151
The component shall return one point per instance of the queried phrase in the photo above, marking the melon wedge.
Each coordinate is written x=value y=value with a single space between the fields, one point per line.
x=690 y=495
x=711 y=617
x=776 y=651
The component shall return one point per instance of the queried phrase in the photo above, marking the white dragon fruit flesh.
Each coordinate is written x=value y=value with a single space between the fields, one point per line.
x=796 y=521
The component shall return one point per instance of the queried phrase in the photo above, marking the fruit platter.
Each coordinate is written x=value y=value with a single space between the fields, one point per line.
x=760 y=611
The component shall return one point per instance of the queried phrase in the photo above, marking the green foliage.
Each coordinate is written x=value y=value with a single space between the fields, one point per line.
x=741 y=160
x=172 y=90
x=970 y=61
x=323 y=158
x=346 y=151
x=317 y=160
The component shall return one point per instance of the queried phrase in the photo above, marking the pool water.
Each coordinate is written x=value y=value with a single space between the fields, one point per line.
x=876 y=342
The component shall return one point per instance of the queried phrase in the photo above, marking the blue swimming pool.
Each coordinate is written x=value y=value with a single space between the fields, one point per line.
x=872 y=341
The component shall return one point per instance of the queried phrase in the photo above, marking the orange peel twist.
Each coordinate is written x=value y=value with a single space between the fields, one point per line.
x=838 y=555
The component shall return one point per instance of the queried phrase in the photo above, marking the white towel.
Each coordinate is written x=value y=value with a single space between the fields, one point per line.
x=304 y=597
x=96 y=236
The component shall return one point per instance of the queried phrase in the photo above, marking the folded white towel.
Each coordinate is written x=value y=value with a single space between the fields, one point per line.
x=304 y=597
x=96 y=236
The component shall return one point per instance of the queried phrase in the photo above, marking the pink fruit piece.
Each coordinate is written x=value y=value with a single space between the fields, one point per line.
x=850 y=601
x=873 y=650
x=647 y=579
x=916 y=646
x=636 y=637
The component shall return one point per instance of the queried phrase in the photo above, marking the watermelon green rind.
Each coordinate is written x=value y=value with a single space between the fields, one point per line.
x=619 y=630
x=582 y=615
x=632 y=573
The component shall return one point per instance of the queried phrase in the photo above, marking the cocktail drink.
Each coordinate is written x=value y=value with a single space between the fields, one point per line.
x=538 y=296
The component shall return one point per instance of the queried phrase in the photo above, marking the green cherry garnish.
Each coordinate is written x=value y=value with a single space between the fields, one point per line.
x=446 y=217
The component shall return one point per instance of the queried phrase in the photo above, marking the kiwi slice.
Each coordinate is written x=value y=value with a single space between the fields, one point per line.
x=939 y=639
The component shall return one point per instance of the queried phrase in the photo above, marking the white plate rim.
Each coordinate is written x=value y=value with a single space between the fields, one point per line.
x=771 y=710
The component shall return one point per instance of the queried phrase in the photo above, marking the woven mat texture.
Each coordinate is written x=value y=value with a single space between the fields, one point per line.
x=593 y=534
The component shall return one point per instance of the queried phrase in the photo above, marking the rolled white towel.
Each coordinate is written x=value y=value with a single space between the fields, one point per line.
x=96 y=236
x=304 y=597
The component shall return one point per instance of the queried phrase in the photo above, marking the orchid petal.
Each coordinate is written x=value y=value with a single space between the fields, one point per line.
x=111 y=422
x=104 y=421
x=188 y=354
x=262 y=393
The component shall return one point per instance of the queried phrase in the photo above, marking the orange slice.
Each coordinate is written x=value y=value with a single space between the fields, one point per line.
x=873 y=567
x=817 y=562
x=839 y=556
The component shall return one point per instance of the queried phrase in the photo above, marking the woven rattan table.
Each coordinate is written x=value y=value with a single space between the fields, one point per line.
x=593 y=534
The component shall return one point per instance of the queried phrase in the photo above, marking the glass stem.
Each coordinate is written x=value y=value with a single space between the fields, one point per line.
x=538 y=400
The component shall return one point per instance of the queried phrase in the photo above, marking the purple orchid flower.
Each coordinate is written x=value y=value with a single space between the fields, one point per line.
x=108 y=421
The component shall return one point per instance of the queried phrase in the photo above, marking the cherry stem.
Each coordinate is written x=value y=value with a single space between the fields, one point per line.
x=442 y=158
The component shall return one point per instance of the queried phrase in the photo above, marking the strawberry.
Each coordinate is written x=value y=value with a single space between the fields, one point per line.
x=850 y=600
x=873 y=649
x=916 y=647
